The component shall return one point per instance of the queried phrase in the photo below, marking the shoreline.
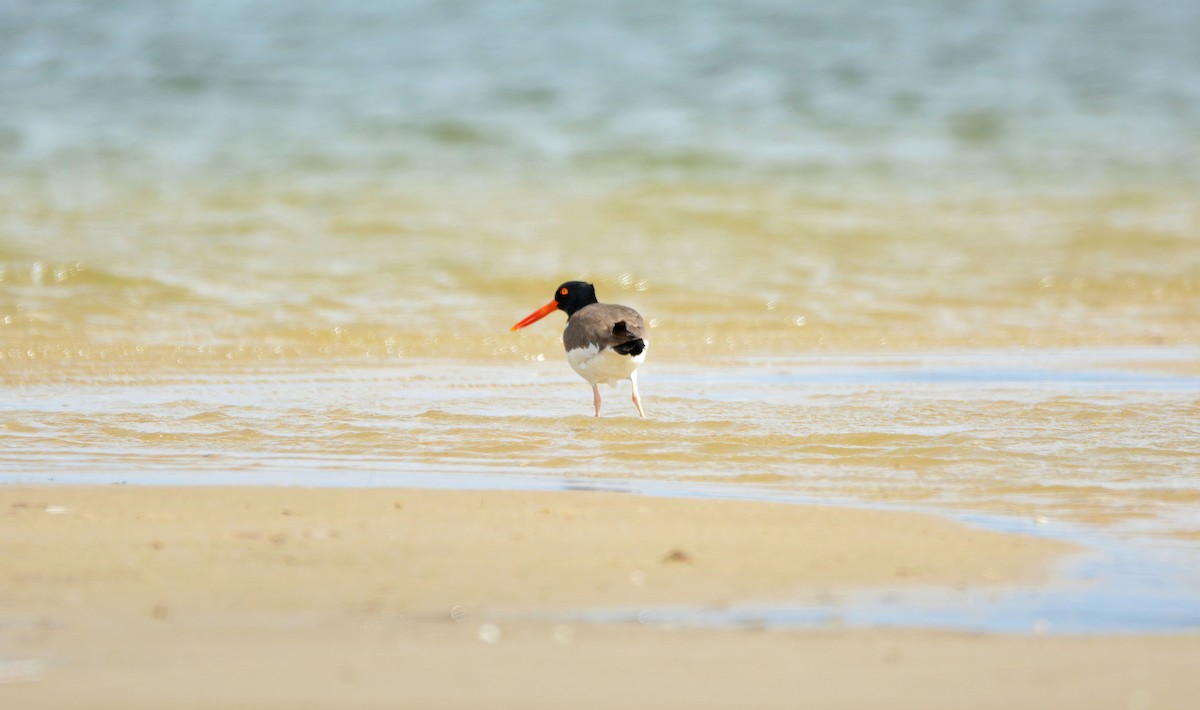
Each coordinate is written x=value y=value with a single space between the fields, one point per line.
x=131 y=596
x=575 y=548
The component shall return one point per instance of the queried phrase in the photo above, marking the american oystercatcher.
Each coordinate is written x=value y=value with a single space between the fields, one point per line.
x=604 y=342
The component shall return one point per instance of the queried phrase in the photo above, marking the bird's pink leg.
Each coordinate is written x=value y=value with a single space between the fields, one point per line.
x=637 y=401
x=596 y=398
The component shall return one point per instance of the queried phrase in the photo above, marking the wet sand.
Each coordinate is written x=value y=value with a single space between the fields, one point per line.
x=288 y=597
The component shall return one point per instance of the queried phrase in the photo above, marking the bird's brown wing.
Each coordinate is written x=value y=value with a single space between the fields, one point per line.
x=606 y=326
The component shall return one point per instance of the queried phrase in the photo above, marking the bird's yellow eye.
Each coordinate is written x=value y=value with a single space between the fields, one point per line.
x=563 y=292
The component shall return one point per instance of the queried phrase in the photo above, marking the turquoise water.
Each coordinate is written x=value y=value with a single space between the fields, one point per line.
x=1061 y=95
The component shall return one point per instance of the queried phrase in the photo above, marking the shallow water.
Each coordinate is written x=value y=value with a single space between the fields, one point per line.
x=1106 y=436
x=941 y=255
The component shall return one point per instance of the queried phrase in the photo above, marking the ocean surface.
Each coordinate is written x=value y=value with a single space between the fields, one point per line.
x=938 y=255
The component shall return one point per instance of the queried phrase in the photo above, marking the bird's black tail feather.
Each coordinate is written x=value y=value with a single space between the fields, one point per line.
x=633 y=346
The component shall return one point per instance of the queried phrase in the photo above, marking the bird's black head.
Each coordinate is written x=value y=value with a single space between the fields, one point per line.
x=574 y=295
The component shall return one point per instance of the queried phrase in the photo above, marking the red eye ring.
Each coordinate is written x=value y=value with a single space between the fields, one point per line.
x=563 y=292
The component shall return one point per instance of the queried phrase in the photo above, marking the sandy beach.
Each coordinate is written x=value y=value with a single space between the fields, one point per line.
x=259 y=263
x=127 y=596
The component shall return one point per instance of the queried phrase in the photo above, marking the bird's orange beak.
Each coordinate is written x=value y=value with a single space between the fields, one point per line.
x=536 y=315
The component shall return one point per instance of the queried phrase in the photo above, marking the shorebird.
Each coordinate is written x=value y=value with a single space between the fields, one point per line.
x=604 y=342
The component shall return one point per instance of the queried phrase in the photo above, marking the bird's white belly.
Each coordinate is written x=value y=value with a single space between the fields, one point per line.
x=601 y=366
